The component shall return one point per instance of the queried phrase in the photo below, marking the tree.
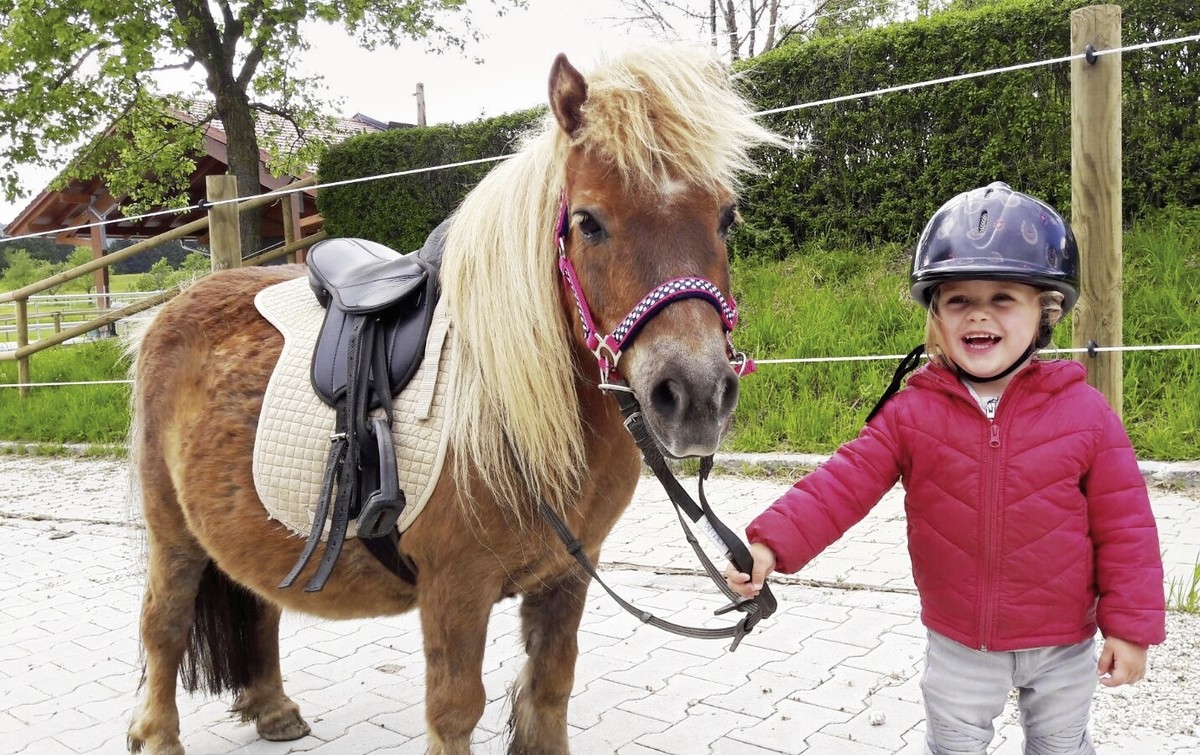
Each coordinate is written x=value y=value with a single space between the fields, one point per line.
x=86 y=70
x=156 y=279
x=746 y=28
x=85 y=284
x=743 y=29
x=23 y=269
x=840 y=17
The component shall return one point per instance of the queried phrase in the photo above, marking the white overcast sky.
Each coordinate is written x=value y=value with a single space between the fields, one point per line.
x=518 y=52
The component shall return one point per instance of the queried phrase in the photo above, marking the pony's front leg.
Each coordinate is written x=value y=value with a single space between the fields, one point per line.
x=263 y=700
x=454 y=620
x=550 y=623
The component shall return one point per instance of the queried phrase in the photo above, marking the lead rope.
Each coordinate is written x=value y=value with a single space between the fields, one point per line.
x=756 y=608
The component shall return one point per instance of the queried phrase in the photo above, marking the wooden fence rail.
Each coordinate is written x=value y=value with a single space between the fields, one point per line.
x=20 y=297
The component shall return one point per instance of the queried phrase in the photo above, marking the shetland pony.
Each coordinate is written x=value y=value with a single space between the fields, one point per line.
x=637 y=164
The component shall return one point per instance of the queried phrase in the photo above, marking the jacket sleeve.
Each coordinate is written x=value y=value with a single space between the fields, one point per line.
x=1129 y=570
x=825 y=503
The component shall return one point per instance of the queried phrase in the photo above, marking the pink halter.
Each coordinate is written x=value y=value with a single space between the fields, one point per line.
x=608 y=348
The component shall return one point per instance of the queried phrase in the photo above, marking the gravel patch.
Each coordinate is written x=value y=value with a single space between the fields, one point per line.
x=1168 y=699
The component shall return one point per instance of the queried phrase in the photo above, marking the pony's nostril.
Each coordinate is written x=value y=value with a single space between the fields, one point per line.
x=668 y=399
x=729 y=397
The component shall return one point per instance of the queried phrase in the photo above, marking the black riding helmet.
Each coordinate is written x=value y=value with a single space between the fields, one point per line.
x=1000 y=234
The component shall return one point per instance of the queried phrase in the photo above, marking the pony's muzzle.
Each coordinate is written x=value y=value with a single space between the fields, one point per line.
x=689 y=408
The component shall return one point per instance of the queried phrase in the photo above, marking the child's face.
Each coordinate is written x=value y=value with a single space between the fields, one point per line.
x=985 y=325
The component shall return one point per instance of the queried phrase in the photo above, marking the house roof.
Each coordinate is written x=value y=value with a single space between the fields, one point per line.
x=83 y=202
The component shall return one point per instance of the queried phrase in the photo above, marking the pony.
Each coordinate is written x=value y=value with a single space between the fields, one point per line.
x=629 y=180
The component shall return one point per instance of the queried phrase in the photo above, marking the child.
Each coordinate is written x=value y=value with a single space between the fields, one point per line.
x=1029 y=524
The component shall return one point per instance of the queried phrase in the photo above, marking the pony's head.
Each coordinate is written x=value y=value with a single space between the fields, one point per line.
x=655 y=143
x=644 y=155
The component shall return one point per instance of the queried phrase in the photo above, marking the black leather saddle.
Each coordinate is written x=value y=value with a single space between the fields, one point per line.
x=378 y=308
x=353 y=278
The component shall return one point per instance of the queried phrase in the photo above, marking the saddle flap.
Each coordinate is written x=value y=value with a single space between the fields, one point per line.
x=405 y=326
x=358 y=275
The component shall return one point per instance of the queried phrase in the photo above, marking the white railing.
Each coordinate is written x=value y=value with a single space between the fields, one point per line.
x=48 y=313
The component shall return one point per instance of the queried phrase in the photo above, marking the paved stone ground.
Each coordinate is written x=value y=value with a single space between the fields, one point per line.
x=844 y=649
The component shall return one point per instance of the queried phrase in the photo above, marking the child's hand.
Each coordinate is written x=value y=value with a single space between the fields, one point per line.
x=1121 y=662
x=750 y=585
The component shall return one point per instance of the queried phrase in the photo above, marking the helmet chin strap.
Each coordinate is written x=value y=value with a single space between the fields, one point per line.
x=976 y=379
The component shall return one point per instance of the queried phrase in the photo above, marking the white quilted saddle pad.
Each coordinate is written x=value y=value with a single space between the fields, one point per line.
x=292 y=443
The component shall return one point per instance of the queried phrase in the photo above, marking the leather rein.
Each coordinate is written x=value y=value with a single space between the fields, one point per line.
x=607 y=350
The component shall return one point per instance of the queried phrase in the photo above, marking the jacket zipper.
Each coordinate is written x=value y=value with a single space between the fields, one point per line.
x=992 y=512
x=991 y=525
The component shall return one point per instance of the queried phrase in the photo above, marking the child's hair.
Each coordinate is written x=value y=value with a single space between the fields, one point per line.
x=1052 y=313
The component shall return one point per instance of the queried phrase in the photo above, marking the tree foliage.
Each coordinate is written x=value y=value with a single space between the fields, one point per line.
x=87 y=71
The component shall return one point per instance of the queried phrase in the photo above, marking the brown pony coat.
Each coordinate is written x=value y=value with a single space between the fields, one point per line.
x=647 y=150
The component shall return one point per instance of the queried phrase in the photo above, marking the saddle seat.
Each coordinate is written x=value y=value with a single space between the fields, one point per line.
x=362 y=276
x=352 y=277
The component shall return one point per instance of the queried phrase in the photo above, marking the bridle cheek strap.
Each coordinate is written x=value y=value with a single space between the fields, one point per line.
x=608 y=348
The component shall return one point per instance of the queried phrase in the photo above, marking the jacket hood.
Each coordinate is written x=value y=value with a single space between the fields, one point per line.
x=1049 y=376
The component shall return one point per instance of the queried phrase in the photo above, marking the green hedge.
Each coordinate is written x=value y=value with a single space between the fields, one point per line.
x=401 y=211
x=868 y=170
x=875 y=169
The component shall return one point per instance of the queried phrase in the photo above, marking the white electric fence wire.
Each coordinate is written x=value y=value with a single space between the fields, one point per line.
x=978 y=74
x=205 y=204
x=895 y=357
x=832 y=100
x=801 y=360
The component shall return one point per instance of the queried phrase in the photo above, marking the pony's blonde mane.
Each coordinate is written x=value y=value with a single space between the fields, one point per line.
x=668 y=113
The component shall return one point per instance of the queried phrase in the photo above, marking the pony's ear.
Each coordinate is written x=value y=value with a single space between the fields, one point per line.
x=568 y=90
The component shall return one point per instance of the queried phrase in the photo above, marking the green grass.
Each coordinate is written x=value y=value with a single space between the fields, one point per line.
x=1184 y=595
x=70 y=414
x=824 y=301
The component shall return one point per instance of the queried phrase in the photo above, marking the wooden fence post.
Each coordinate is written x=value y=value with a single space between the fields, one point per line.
x=289 y=207
x=1096 y=193
x=224 y=223
x=22 y=307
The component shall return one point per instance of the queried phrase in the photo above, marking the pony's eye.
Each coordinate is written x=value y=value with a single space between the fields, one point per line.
x=729 y=218
x=592 y=231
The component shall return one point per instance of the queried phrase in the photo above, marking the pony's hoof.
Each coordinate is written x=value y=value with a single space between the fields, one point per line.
x=153 y=745
x=275 y=715
x=283 y=726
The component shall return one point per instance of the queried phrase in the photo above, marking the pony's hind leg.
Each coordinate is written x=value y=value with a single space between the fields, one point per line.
x=199 y=625
x=176 y=566
x=550 y=623
x=263 y=700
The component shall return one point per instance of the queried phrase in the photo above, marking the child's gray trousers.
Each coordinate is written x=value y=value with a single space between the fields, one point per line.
x=966 y=689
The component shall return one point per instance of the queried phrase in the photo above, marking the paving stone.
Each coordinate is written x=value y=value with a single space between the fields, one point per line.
x=677 y=699
x=896 y=656
x=793 y=722
x=618 y=730
x=760 y=696
x=588 y=707
x=697 y=731
x=899 y=718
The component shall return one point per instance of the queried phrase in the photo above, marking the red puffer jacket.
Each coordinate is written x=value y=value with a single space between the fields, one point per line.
x=1024 y=531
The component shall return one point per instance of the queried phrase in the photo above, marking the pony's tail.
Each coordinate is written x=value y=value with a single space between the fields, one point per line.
x=223 y=648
